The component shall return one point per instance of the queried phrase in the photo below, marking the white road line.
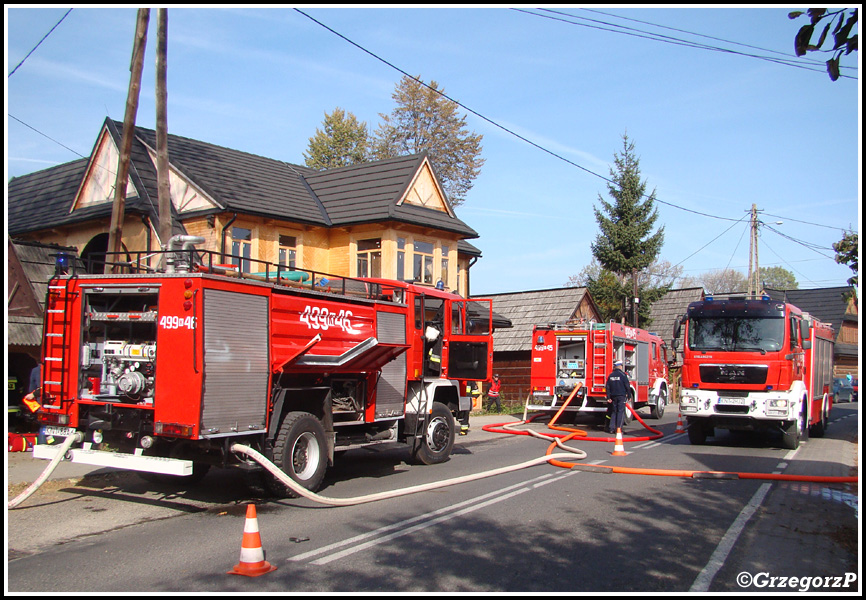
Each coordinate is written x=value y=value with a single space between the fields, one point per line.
x=718 y=558
x=405 y=527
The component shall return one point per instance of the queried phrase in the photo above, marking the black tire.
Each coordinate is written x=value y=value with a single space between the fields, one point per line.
x=794 y=431
x=437 y=439
x=820 y=428
x=697 y=431
x=627 y=416
x=301 y=451
x=658 y=409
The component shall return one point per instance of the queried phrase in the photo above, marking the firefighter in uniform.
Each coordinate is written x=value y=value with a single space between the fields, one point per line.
x=617 y=388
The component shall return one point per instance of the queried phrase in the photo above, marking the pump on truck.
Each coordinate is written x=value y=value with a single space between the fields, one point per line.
x=163 y=369
x=581 y=354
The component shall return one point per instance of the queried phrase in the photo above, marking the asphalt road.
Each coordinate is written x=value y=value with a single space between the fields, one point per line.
x=540 y=529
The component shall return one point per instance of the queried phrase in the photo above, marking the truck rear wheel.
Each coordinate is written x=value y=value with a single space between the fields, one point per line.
x=658 y=408
x=437 y=440
x=300 y=450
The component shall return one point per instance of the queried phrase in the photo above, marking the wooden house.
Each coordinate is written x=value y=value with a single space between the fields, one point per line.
x=388 y=218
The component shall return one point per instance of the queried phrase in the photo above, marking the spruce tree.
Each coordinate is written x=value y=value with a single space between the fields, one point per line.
x=626 y=244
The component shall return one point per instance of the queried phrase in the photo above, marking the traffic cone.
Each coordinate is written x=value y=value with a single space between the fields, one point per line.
x=252 y=562
x=618 y=448
x=680 y=428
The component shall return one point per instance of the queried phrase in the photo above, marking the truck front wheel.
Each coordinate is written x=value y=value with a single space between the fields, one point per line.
x=697 y=431
x=300 y=450
x=437 y=439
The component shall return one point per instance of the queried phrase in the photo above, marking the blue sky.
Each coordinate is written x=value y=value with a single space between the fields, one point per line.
x=715 y=130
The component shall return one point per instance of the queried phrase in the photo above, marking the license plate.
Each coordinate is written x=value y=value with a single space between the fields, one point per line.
x=542 y=393
x=732 y=401
x=58 y=431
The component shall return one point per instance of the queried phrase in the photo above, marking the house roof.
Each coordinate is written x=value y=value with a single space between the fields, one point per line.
x=527 y=309
x=37 y=263
x=235 y=181
x=666 y=309
x=828 y=305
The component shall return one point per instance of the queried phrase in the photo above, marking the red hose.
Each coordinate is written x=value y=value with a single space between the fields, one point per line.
x=499 y=428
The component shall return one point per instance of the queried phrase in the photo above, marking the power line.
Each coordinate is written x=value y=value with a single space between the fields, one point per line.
x=37 y=45
x=622 y=30
x=808 y=60
x=494 y=123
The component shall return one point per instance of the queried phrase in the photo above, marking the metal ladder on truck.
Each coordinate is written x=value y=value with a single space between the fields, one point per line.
x=56 y=342
x=600 y=356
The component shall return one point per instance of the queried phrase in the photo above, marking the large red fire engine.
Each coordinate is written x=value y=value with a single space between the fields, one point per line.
x=565 y=356
x=755 y=364
x=162 y=371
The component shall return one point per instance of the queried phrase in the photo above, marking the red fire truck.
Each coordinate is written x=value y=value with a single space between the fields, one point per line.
x=755 y=364
x=163 y=370
x=582 y=353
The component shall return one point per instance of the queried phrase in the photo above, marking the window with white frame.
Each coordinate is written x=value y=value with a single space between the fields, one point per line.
x=369 y=256
x=242 y=248
x=422 y=262
x=287 y=251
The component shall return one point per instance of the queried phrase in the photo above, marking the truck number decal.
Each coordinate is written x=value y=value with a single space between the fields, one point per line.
x=174 y=322
x=316 y=317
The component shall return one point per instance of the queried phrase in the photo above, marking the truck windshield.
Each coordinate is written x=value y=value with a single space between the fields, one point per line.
x=736 y=334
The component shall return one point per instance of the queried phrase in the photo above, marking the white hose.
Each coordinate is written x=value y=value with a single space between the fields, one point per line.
x=67 y=443
x=301 y=491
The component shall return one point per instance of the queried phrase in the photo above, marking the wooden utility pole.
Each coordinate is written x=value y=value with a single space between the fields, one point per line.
x=163 y=188
x=115 y=231
x=754 y=269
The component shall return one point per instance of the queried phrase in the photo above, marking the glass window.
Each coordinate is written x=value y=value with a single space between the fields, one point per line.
x=287 y=250
x=422 y=263
x=241 y=248
x=457 y=318
x=401 y=258
x=370 y=258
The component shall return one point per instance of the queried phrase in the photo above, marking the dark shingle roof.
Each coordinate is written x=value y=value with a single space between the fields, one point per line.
x=527 y=309
x=665 y=311
x=828 y=305
x=41 y=200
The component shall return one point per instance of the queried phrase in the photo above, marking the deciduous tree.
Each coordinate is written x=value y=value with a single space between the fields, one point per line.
x=425 y=120
x=343 y=141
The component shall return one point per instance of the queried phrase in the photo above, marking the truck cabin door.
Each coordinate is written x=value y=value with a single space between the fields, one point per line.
x=468 y=348
x=430 y=328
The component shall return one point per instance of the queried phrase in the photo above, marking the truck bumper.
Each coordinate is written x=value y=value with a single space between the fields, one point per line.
x=118 y=460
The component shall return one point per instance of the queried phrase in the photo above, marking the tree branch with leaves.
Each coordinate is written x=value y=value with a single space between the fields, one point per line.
x=844 y=37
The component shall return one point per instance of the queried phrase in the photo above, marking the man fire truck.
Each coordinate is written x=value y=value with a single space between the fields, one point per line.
x=163 y=371
x=565 y=356
x=754 y=364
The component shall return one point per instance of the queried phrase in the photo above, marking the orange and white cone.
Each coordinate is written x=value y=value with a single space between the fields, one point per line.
x=252 y=562
x=680 y=428
x=618 y=448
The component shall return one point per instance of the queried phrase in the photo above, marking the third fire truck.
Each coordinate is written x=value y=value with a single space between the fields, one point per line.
x=581 y=354
x=755 y=364
x=162 y=370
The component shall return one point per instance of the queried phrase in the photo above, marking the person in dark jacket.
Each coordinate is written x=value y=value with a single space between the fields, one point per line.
x=617 y=388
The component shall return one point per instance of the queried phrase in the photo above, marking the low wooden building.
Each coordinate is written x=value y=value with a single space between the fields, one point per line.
x=512 y=347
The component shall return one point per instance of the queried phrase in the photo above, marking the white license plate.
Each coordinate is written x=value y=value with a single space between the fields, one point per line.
x=537 y=393
x=58 y=431
x=732 y=401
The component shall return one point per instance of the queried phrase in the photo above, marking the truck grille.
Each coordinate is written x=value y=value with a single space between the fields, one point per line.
x=753 y=374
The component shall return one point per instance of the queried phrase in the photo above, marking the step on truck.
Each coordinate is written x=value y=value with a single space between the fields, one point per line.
x=162 y=369
x=754 y=364
x=580 y=354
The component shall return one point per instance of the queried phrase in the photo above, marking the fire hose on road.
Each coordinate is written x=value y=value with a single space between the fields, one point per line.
x=694 y=474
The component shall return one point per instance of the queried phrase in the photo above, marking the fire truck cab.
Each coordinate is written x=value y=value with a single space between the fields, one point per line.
x=581 y=355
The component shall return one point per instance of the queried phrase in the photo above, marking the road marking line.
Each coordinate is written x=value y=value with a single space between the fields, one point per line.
x=434 y=516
